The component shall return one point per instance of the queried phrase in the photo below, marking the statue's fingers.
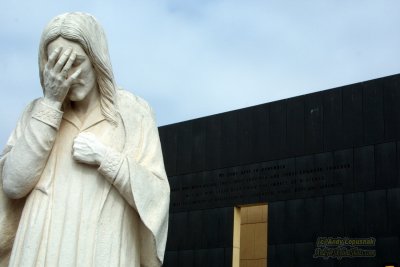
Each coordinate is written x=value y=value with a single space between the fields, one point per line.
x=79 y=142
x=80 y=81
x=53 y=57
x=69 y=63
x=81 y=137
x=74 y=146
x=76 y=156
x=74 y=76
x=61 y=62
x=83 y=142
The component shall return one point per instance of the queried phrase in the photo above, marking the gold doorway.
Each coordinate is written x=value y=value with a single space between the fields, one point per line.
x=250 y=236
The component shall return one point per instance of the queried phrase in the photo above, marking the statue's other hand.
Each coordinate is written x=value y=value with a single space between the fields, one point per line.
x=55 y=76
x=88 y=149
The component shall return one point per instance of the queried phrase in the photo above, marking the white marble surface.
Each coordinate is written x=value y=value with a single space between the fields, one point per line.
x=84 y=163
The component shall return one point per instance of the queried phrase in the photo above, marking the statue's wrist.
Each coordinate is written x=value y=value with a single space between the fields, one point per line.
x=100 y=157
x=110 y=165
x=52 y=103
x=47 y=113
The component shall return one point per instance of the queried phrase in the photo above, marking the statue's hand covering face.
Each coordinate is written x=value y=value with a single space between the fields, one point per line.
x=83 y=178
x=77 y=61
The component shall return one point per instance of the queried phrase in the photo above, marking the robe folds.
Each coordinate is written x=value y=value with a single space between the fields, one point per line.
x=78 y=214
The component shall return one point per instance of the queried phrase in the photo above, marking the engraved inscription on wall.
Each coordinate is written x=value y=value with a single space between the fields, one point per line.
x=262 y=182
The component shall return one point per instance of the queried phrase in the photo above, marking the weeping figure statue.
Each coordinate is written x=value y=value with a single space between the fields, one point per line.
x=82 y=174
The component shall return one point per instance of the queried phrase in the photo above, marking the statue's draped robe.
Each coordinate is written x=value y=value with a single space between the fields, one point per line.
x=82 y=215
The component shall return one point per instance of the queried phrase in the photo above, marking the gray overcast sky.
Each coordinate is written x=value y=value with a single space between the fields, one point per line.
x=195 y=58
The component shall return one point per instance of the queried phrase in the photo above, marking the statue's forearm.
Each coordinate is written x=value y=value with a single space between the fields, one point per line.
x=121 y=171
x=26 y=160
x=144 y=165
x=116 y=170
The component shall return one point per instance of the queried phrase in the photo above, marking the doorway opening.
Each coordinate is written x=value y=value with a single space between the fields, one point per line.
x=250 y=236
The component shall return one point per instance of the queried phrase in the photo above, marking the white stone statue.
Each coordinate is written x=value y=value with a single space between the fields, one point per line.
x=83 y=178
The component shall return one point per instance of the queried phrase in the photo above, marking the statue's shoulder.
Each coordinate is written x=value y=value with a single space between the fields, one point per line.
x=129 y=103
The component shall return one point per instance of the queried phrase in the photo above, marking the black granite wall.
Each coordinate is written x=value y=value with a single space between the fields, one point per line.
x=326 y=163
